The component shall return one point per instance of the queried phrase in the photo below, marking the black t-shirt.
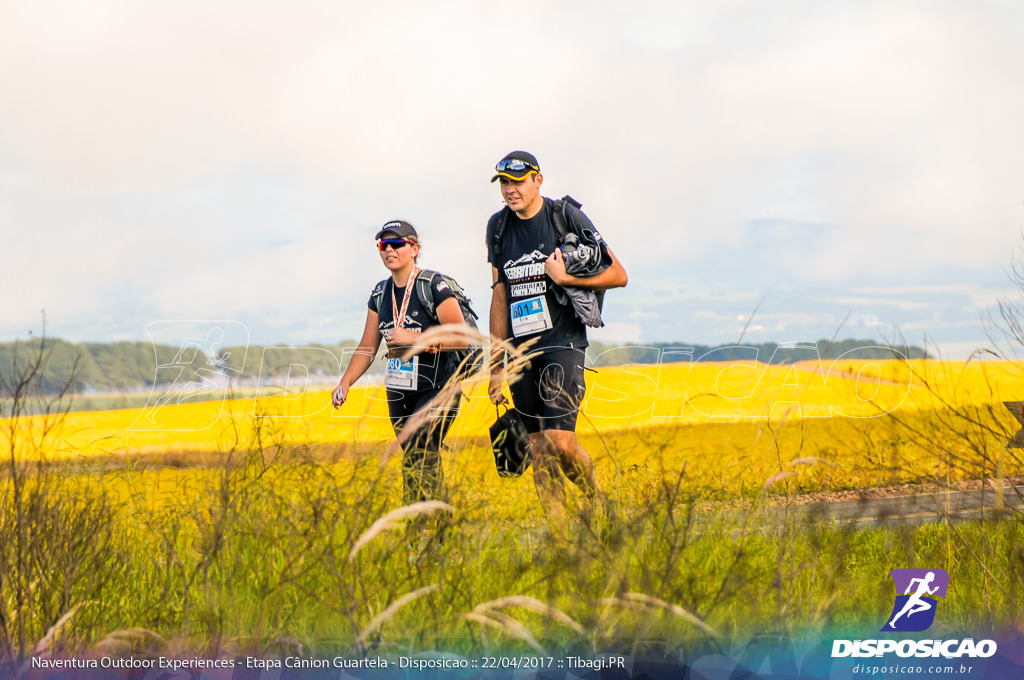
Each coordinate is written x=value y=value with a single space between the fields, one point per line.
x=525 y=246
x=434 y=368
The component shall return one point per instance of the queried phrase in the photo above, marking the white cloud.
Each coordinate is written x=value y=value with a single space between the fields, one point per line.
x=616 y=332
x=884 y=302
x=169 y=158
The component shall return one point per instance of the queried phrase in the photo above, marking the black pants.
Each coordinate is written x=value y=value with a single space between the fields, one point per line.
x=422 y=473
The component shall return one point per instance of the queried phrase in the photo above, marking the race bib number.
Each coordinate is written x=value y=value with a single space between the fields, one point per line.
x=402 y=375
x=530 y=316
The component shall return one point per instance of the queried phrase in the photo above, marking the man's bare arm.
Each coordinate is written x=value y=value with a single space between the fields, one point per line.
x=499 y=307
x=498 y=319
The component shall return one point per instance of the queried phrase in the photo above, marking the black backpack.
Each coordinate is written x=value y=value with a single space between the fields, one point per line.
x=562 y=226
x=468 y=360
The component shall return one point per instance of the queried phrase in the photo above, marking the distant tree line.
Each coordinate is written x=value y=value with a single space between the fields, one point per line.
x=132 y=366
x=604 y=354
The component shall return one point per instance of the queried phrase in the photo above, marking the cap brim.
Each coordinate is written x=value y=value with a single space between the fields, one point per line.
x=408 y=237
x=513 y=177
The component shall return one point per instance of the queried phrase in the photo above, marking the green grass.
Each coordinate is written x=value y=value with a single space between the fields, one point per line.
x=255 y=558
x=250 y=553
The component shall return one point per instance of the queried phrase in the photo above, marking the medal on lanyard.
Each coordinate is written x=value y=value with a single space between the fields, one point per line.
x=400 y=317
x=403 y=375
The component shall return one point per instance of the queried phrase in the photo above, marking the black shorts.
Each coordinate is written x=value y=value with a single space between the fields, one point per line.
x=549 y=391
x=403 y=404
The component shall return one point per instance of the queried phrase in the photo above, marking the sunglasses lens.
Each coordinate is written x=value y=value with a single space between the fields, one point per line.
x=395 y=243
x=514 y=165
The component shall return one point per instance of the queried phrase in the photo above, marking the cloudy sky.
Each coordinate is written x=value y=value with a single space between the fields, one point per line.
x=843 y=168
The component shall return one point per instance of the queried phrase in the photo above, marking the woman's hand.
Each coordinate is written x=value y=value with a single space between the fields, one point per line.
x=401 y=337
x=340 y=394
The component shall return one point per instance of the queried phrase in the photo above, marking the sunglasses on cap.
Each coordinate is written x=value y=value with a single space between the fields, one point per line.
x=395 y=243
x=515 y=165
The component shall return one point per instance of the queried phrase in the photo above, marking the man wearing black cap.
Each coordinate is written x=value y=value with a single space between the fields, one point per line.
x=527 y=270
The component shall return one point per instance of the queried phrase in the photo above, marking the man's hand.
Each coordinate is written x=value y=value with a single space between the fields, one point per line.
x=554 y=267
x=494 y=388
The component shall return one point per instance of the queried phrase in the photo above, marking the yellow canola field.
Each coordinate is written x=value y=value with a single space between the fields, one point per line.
x=618 y=398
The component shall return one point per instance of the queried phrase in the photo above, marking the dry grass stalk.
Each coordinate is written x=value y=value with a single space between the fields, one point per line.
x=44 y=646
x=811 y=460
x=532 y=604
x=8 y=613
x=507 y=625
x=121 y=641
x=778 y=476
x=287 y=645
x=445 y=399
x=448 y=395
x=449 y=336
x=641 y=600
x=383 y=617
x=393 y=518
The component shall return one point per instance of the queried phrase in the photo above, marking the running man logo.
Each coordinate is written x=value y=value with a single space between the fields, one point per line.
x=914 y=609
x=192 y=364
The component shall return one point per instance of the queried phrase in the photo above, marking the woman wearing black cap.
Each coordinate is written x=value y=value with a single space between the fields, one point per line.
x=398 y=314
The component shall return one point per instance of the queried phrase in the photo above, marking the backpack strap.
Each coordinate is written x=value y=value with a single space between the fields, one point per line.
x=378 y=295
x=498 y=234
x=425 y=291
x=560 y=218
x=561 y=221
x=563 y=227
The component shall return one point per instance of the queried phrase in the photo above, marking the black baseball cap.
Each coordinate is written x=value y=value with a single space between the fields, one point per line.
x=399 y=228
x=516 y=165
